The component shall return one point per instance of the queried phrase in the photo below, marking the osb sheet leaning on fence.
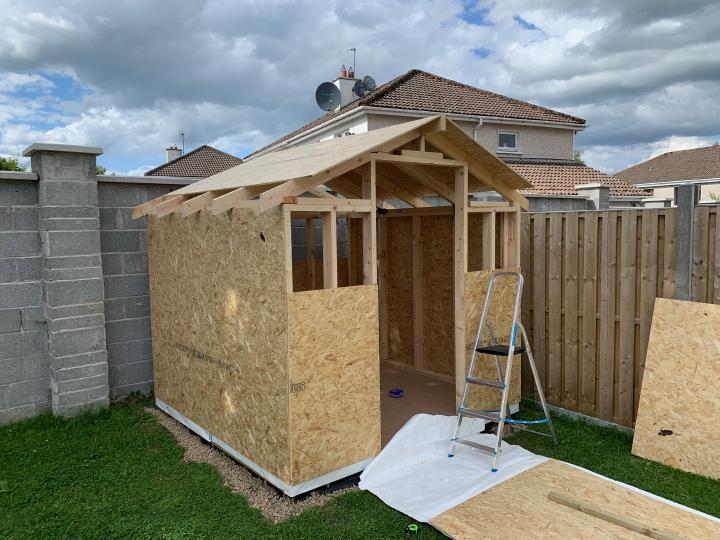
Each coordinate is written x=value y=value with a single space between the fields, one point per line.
x=500 y=314
x=335 y=379
x=680 y=398
x=219 y=323
x=520 y=508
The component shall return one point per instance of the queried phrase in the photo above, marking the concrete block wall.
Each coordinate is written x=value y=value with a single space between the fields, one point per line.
x=24 y=376
x=123 y=242
x=74 y=309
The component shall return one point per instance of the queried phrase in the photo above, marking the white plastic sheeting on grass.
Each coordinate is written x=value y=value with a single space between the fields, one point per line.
x=414 y=474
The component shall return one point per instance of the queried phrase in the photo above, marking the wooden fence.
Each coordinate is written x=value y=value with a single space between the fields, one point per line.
x=591 y=279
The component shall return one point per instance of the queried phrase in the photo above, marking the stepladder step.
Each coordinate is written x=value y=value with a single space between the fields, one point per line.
x=485 y=382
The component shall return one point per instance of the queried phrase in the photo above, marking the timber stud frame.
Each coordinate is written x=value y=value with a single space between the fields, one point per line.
x=281 y=372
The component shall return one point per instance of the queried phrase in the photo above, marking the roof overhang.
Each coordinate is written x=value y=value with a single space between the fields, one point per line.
x=276 y=176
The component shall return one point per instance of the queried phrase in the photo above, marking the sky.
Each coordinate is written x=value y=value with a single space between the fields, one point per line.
x=129 y=76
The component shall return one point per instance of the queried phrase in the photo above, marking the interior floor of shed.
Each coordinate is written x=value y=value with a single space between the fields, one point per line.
x=422 y=394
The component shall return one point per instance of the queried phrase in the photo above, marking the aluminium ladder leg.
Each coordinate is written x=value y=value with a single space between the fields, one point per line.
x=503 y=414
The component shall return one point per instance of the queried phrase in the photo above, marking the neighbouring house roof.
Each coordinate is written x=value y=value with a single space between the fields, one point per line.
x=694 y=164
x=419 y=90
x=202 y=162
x=553 y=178
x=316 y=160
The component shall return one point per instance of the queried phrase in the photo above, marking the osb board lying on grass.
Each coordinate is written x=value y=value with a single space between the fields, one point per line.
x=520 y=508
x=219 y=324
x=400 y=289
x=438 y=294
x=679 y=405
x=334 y=379
x=500 y=313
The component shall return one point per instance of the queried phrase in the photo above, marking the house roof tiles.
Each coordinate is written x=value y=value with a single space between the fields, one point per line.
x=694 y=164
x=202 y=162
x=419 y=90
x=560 y=178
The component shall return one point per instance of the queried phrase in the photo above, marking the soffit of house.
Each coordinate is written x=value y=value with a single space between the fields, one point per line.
x=316 y=159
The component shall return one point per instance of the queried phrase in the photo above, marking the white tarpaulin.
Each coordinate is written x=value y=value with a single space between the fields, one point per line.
x=414 y=474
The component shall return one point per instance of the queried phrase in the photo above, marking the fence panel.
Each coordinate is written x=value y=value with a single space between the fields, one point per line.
x=593 y=278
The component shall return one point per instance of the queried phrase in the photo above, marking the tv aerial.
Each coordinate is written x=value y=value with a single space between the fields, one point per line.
x=327 y=96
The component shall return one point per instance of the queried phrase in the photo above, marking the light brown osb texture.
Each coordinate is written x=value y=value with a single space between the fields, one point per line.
x=335 y=379
x=438 y=294
x=681 y=389
x=400 y=290
x=520 y=508
x=475 y=242
x=219 y=323
x=500 y=314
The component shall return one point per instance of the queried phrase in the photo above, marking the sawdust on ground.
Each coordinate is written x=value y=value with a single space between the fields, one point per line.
x=273 y=505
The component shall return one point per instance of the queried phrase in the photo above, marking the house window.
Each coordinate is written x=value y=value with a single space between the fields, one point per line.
x=508 y=141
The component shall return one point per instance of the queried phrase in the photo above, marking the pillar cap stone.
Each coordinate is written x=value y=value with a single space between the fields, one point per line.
x=596 y=185
x=52 y=147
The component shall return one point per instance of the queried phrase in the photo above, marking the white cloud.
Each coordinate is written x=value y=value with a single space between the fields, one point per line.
x=237 y=75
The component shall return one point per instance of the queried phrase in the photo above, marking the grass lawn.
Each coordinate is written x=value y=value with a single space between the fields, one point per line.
x=119 y=474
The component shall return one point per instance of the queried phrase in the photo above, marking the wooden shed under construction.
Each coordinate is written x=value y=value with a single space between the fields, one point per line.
x=277 y=358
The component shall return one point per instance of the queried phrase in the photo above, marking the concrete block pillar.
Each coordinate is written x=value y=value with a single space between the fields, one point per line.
x=685 y=199
x=73 y=290
x=597 y=194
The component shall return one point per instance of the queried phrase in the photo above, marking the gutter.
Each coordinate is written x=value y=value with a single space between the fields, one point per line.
x=675 y=183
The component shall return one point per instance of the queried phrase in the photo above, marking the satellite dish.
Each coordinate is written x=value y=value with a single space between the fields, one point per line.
x=369 y=83
x=327 y=96
x=359 y=89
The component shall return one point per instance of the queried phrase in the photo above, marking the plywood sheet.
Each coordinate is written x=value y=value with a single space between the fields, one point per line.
x=334 y=379
x=500 y=314
x=438 y=294
x=400 y=289
x=680 y=397
x=219 y=323
x=520 y=508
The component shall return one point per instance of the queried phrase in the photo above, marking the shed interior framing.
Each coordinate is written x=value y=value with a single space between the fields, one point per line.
x=406 y=290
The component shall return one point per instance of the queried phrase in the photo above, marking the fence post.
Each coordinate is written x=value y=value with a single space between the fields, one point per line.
x=73 y=291
x=685 y=201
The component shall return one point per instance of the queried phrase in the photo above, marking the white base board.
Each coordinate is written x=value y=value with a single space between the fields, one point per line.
x=290 y=491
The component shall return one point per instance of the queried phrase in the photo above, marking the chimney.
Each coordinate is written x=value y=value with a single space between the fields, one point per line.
x=172 y=152
x=345 y=83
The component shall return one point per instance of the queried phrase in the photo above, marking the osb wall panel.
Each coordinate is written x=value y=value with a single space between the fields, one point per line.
x=680 y=396
x=400 y=289
x=438 y=294
x=335 y=379
x=525 y=498
x=500 y=314
x=475 y=242
x=301 y=276
x=219 y=324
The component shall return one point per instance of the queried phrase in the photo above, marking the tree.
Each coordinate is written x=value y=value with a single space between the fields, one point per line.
x=100 y=170
x=578 y=157
x=10 y=164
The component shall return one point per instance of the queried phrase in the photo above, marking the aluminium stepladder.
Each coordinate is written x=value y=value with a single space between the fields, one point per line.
x=501 y=415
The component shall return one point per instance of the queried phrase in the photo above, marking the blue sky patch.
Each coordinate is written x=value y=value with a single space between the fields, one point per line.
x=524 y=24
x=482 y=52
x=474 y=13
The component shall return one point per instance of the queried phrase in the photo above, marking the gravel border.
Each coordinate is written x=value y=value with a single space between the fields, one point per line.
x=273 y=505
